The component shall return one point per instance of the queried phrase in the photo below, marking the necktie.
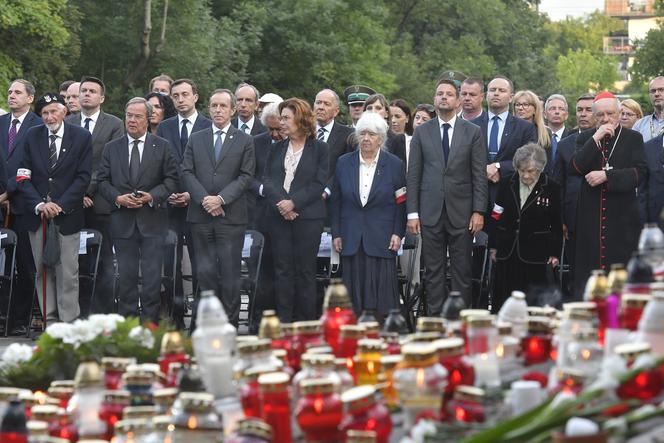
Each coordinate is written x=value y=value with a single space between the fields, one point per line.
x=446 y=141
x=134 y=164
x=321 y=134
x=244 y=128
x=184 y=135
x=87 y=123
x=217 y=145
x=493 y=138
x=554 y=146
x=11 y=138
x=52 y=152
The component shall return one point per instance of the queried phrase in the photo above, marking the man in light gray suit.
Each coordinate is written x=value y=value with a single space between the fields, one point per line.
x=104 y=128
x=217 y=170
x=447 y=194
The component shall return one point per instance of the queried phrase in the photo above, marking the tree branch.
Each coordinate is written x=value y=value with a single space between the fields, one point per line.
x=162 y=37
x=144 y=52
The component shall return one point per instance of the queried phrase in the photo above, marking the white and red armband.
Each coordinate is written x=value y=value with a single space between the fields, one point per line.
x=400 y=195
x=23 y=174
x=497 y=211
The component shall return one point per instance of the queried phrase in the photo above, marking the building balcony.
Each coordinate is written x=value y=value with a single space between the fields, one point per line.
x=618 y=46
x=626 y=9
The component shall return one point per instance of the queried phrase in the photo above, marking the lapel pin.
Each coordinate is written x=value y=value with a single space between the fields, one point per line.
x=64 y=150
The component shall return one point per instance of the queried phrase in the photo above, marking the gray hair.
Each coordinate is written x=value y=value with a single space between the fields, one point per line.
x=142 y=101
x=372 y=122
x=616 y=101
x=334 y=94
x=270 y=110
x=242 y=85
x=225 y=91
x=555 y=97
x=530 y=153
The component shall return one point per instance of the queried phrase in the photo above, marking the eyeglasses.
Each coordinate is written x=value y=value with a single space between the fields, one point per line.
x=627 y=114
x=522 y=105
x=654 y=91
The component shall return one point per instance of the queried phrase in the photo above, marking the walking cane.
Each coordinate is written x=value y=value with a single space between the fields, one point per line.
x=43 y=274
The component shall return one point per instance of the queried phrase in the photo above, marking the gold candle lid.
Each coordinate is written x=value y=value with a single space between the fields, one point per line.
x=288 y=329
x=423 y=337
x=131 y=425
x=629 y=351
x=248 y=348
x=465 y=313
x=638 y=301
x=317 y=386
x=469 y=393
x=88 y=374
x=539 y=324
x=617 y=278
x=44 y=412
x=371 y=327
x=7 y=393
x=255 y=427
x=431 y=324
x=172 y=343
x=270 y=326
x=317 y=360
x=504 y=328
x=165 y=396
x=355 y=436
x=370 y=345
x=254 y=372
x=116 y=363
x=139 y=412
x=117 y=397
x=597 y=286
x=311 y=327
x=448 y=347
x=274 y=381
x=353 y=332
x=196 y=401
x=418 y=352
x=359 y=397
x=483 y=321
x=37 y=428
x=390 y=361
x=336 y=296
x=542 y=311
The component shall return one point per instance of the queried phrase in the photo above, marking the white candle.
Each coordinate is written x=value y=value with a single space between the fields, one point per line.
x=218 y=375
x=487 y=373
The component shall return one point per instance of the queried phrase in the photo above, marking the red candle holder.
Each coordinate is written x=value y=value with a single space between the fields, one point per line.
x=62 y=393
x=349 y=335
x=631 y=309
x=569 y=381
x=114 y=367
x=459 y=370
x=468 y=405
x=49 y=415
x=275 y=404
x=337 y=312
x=307 y=335
x=644 y=386
x=13 y=437
x=68 y=429
x=536 y=345
x=319 y=411
x=249 y=395
x=364 y=413
x=112 y=408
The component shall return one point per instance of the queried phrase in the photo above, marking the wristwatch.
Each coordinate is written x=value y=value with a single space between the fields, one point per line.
x=497 y=165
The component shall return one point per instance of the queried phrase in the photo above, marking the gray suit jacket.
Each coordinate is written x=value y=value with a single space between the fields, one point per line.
x=460 y=185
x=230 y=177
x=108 y=127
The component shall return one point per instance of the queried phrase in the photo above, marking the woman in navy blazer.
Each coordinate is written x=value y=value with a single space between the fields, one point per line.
x=295 y=176
x=368 y=217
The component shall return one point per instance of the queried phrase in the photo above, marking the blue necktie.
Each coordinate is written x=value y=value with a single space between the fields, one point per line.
x=446 y=141
x=217 y=145
x=184 y=134
x=87 y=123
x=554 y=146
x=493 y=138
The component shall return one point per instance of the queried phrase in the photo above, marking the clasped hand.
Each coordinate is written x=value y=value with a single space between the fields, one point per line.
x=212 y=204
x=132 y=202
x=50 y=210
x=286 y=209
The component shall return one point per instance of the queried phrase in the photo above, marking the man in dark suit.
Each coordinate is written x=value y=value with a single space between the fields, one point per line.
x=247 y=103
x=177 y=131
x=13 y=128
x=502 y=132
x=104 y=128
x=219 y=164
x=447 y=195
x=138 y=173
x=51 y=182
x=326 y=108
x=555 y=111
x=651 y=193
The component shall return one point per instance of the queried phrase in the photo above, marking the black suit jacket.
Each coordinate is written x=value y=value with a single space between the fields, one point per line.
x=569 y=183
x=257 y=129
x=157 y=176
x=337 y=143
x=14 y=159
x=230 y=177
x=651 y=191
x=169 y=129
x=65 y=184
x=308 y=184
x=108 y=127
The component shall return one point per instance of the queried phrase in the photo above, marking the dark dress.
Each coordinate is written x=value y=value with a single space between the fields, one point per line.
x=607 y=224
x=524 y=237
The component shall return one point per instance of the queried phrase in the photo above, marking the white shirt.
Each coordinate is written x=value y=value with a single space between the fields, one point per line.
x=93 y=120
x=367 y=172
x=141 y=145
x=524 y=192
x=249 y=123
x=224 y=132
x=291 y=160
x=20 y=122
x=502 y=119
x=327 y=127
x=408 y=139
x=559 y=132
x=191 y=122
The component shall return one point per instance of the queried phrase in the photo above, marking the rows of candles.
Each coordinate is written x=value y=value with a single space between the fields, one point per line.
x=338 y=379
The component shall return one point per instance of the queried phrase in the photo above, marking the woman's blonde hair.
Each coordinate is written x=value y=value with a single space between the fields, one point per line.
x=543 y=137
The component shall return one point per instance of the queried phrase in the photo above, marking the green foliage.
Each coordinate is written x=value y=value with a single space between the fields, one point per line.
x=581 y=71
x=649 y=56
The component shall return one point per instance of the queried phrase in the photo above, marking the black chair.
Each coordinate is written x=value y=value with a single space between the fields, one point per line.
x=252 y=260
x=93 y=241
x=482 y=272
x=413 y=301
x=8 y=241
x=168 y=278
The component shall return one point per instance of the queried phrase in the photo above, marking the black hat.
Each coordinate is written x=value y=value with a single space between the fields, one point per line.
x=456 y=76
x=47 y=99
x=357 y=94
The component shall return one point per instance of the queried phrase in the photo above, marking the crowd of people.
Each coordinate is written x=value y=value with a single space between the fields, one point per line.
x=480 y=158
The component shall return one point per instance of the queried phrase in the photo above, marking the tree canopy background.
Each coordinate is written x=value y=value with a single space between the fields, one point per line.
x=298 y=47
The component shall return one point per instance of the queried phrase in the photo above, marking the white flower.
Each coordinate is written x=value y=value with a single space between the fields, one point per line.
x=105 y=324
x=616 y=426
x=81 y=332
x=421 y=430
x=143 y=336
x=613 y=368
x=59 y=330
x=15 y=354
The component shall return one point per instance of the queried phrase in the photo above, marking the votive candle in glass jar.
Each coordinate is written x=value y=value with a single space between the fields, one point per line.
x=251 y=430
x=134 y=430
x=172 y=351
x=464 y=315
x=195 y=419
x=389 y=364
x=584 y=353
x=308 y=334
x=631 y=309
x=114 y=367
x=468 y=404
x=319 y=410
x=570 y=380
x=460 y=370
x=337 y=311
x=275 y=404
x=431 y=324
x=482 y=334
x=111 y=409
x=367 y=364
x=536 y=345
x=646 y=385
x=365 y=413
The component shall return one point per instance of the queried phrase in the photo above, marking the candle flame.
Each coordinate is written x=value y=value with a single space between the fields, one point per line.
x=456 y=377
x=216 y=344
x=585 y=354
x=420 y=378
x=500 y=350
x=40 y=397
x=371 y=367
x=318 y=405
x=484 y=357
x=192 y=423
x=460 y=413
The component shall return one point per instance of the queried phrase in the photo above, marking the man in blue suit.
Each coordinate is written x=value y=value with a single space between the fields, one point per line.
x=51 y=181
x=503 y=133
x=13 y=127
x=651 y=193
x=177 y=131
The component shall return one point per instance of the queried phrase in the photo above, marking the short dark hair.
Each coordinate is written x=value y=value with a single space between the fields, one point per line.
x=447 y=81
x=474 y=81
x=188 y=81
x=166 y=103
x=502 y=77
x=401 y=104
x=94 y=80
x=373 y=98
x=161 y=77
x=66 y=84
x=29 y=87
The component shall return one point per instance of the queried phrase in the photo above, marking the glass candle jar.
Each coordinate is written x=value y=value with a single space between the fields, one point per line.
x=341 y=368
x=270 y=328
x=68 y=429
x=249 y=398
x=172 y=351
x=275 y=404
x=308 y=334
x=349 y=335
x=365 y=413
x=597 y=289
x=576 y=317
x=47 y=414
x=315 y=366
x=62 y=393
x=114 y=367
x=161 y=430
x=288 y=331
x=372 y=329
x=482 y=334
x=139 y=383
x=431 y=324
x=389 y=364
x=536 y=345
x=319 y=410
x=464 y=315
x=164 y=399
x=132 y=431
x=570 y=380
x=251 y=431
x=195 y=419
x=468 y=404
x=393 y=342
x=631 y=309
x=367 y=364
x=646 y=385
x=337 y=311
x=584 y=353
x=355 y=436
x=420 y=381
x=460 y=371
x=111 y=409
x=254 y=353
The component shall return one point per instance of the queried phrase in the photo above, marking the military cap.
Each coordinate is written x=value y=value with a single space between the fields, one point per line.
x=47 y=99
x=357 y=94
x=456 y=76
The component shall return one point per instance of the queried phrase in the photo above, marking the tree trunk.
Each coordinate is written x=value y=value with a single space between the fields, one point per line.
x=144 y=51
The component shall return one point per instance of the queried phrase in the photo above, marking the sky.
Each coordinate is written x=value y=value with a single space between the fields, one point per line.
x=559 y=9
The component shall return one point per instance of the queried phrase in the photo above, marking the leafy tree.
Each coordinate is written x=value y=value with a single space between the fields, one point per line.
x=582 y=71
x=649 y=56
